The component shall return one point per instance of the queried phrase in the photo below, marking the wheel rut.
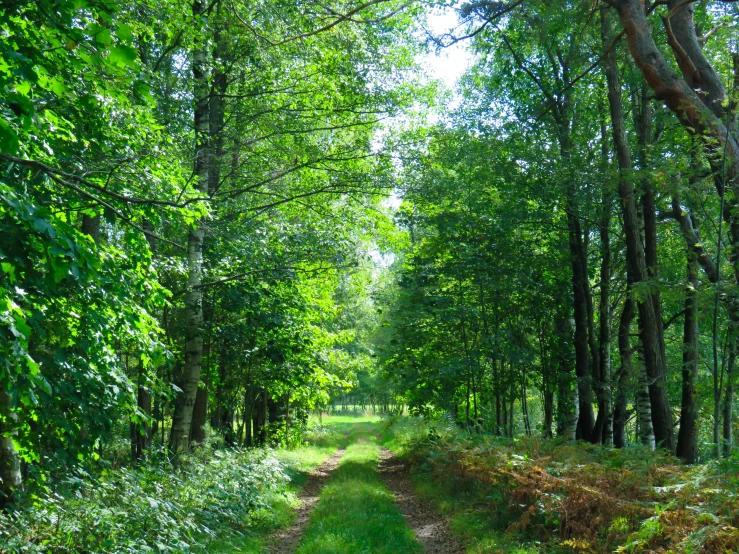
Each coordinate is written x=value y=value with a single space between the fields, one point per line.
x=285 y=541
x=430 y=527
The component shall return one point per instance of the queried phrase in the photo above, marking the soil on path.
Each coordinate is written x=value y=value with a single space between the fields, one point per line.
x=285 y=541
x=430 y=527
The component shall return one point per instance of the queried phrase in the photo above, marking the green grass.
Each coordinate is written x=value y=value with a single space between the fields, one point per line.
x=327 y=435
x=355 y=513
x=469 y=521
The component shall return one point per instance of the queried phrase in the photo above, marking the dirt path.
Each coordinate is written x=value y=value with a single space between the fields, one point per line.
x=285 y=541
x=431 y=529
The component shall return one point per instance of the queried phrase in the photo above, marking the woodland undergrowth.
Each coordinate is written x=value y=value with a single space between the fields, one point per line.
x=577 y=497
x=159 y=505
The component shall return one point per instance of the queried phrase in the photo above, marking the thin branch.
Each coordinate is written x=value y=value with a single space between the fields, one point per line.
x=169 y=49
x=670 y=321
x=574 y=81
x=245 y=275
x=51 y=172
x=105 y=204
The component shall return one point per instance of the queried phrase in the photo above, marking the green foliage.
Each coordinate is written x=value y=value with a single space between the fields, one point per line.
x=150 y=508
x=566 y=497
x=69 y=306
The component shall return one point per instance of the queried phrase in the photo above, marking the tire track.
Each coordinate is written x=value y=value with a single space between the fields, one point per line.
x=285 y=541
x=431 y=528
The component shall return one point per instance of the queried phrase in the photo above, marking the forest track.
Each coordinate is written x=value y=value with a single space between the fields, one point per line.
x=285 y=541
x=429 y=526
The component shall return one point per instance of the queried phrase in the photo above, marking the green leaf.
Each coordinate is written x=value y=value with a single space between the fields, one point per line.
x=124 y=32
x=123 y=56
x=9 y=143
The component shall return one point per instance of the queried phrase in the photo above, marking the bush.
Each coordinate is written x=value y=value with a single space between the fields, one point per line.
x=152 y=507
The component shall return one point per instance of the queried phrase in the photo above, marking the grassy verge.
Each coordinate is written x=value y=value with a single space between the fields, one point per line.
x=531 y=495
x=355 y=512
x=214 y=500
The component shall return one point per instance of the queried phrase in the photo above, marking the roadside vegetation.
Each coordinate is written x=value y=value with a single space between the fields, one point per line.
x=213 y=499
x=532 y=495
x=219 y=217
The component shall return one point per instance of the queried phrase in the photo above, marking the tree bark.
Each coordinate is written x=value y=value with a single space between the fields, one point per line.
x=141 y=434
x=620 y=411
x=698 y=99
x=645 y=426
x=650 y=321
x=604 y=423
x=687 y=438
x=728 y=420
x=567 y=398
x=199 y=416
x=193 y=312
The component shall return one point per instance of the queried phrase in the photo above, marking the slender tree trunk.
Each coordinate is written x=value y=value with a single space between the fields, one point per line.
x=567 y=399
x=604 y=393
x=525 y=405
x=511 y=413
x=643 y=404
x=199 y=416
x=504 y=403
x=729 y=399
x=548 y=385
x=581 y=299
x=141 y=434
x=193 y=312
x=10 y=465
x=620 y=412
x=687 y=438
x=200 y=410
x=580 y=287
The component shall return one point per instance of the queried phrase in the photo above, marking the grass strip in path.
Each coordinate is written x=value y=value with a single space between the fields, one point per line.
x=286 y=540
x=356 y=513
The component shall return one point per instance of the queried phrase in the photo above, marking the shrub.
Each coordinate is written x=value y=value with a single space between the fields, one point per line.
x=152 y=507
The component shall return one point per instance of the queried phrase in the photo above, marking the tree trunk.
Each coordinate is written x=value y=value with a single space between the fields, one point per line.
x=567 y=399
x=580 y=288
x=260 y=418
x=729 y=400
x=10 y=465
x=141 y=434
x=687 y=438
x=604 y=392
x=650 y=321
x=620 y=412
x=643 y=404
x=199 y=416
x=193 y=312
